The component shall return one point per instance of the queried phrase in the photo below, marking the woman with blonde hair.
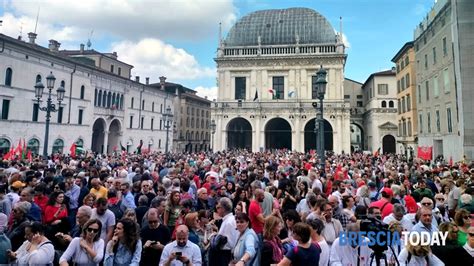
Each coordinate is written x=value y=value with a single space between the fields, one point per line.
x=89 y=200
x=272 y=250
x=418 y=255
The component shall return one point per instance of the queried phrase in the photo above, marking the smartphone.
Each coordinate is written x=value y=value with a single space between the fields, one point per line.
x=179 y=254
x=154 y=242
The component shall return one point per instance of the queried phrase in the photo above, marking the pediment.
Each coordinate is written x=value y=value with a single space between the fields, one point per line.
x=388 y=126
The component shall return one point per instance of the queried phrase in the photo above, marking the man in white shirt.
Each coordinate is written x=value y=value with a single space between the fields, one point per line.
x=181 y=251
x=317 y=228
x=398 y=215
x=342 y=255
x=228 y=229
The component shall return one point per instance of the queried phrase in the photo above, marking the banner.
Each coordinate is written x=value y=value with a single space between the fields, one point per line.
x=425 y=153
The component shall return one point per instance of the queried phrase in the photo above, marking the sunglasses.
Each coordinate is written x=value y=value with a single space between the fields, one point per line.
x=440 y=199
x=426 y=203
x=92 y=230
x=153 y=222
x=56 y=187
x=471 y=234
x=466 y=217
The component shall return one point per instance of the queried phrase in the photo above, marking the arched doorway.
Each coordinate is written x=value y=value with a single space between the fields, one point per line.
x=33 y=146
x=357 y=138
x=239 y=134
x=4 y=146
x=310 y=136
x=98 y=135
x=388 y=144
x=277 y=134
x=58 y=146
x=114 y=135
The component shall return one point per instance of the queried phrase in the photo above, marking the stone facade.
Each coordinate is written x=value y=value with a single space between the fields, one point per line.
x=443 y=58
x=406 y=96
x=380 y=114
x=265 y=92
x=100 y=110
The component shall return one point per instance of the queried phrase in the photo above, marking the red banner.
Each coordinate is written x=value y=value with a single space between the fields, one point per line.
x=425 y=153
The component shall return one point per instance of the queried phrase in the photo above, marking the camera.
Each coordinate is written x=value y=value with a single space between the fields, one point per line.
x=372 y=224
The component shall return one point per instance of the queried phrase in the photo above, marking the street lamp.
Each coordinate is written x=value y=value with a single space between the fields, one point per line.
x=213 y=130
x=50 y=106
x=168 y=118
x=321 y=90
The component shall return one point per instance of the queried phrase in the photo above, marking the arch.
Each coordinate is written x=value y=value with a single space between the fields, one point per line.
x=357 y=137
x=99 y=99
x=277 y=134
x=95 y=97
x=114 y=135
x=63 y=84
x=121 y=102
x=58 y=146
x=79 y=143
x=33 y=145
x=192 y=135
x=8 y=76
x=5 y=145
x=310 y=135
x=113 y=101
x=388 y=144
x=239 y=134
x=98 y=135
x=197 y=122
x=391 y=104
x=384 y=104
x=38 y=78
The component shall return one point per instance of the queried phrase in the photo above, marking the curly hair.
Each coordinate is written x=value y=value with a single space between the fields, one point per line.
x=130 y=234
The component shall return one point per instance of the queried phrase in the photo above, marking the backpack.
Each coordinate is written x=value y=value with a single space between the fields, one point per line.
x=115 y=208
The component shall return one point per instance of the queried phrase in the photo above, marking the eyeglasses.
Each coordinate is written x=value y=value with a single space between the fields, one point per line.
x=440 y=199
x=426 y=203
x=466 y=217
x=56 y=187
x=153 y=222
x=92 y=230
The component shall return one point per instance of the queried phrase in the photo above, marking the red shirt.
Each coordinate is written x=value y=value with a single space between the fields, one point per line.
x=41 y=202
x=387 y=210
x=254 y=211
x=49 y=214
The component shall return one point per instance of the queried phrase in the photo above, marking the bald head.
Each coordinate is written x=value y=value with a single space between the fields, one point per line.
x=152 y=213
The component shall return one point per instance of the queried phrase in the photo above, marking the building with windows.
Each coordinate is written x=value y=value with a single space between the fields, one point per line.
x=354 y=94
x=266 y=69
x=380 y=112
x=191 y=132
x=102 y=107
x=444 y=62
x=406 y=96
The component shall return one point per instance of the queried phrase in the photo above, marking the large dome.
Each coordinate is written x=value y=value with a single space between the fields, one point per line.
x=281 y=26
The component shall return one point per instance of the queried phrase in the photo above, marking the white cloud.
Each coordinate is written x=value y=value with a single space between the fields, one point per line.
x=153 y=58
x=210 y=93
x=165 y=19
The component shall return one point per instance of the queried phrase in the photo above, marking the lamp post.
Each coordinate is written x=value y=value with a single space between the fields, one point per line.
x=167 y=116
x=213 y=130
x=321 y=90
x=50 y=106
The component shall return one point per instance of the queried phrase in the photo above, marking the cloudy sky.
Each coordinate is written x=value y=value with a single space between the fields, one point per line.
x=178 y=38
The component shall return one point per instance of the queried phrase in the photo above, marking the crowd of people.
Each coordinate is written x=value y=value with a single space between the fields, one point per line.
x=230 y=208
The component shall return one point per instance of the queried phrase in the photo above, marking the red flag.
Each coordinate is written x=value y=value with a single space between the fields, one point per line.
x=18 y=149
x=72 y=150
x=451 y=163
x=425 y=153
x=29 y=156
x=8 y=155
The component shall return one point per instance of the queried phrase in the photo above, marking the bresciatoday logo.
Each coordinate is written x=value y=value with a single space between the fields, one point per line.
x=387 y=238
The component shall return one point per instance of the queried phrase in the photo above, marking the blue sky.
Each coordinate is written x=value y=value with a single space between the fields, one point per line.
x=178 y=38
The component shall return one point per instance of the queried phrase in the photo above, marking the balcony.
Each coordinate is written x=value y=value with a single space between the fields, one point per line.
x=280 y=50
x=109 y=112
x=291 y=105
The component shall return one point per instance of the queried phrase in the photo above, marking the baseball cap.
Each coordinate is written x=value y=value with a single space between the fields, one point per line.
x=388 y=191
x=18 y=184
